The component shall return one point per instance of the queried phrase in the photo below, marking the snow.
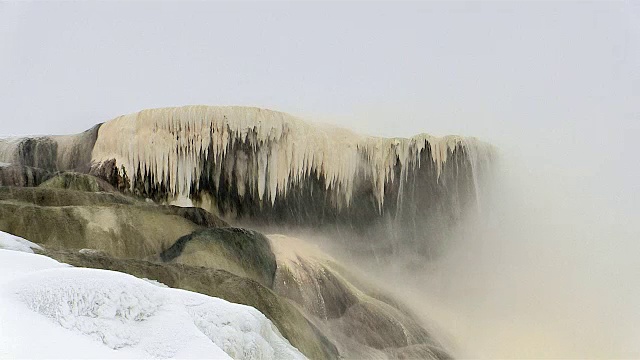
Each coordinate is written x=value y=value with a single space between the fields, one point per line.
x=53 y=310
x=12 y=242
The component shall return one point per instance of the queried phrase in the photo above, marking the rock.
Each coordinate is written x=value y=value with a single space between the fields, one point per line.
x=196 y=215
x=20 y=175
x=356 y=317
x=268 y=168
x=242 y=252
x=77 y=181
x=109 y=222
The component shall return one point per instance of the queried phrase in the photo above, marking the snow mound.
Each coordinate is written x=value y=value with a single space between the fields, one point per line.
x=122 y=316
x=241 y=331
x=12 y=242
x=92 y=302
x=155 y=282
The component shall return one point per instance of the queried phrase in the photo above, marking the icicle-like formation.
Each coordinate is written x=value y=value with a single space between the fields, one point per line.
x=8 y=149
x=171 y=144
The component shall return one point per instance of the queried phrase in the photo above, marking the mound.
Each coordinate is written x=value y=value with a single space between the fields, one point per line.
x=354 y=316
x=110 y=222
x=242 y=252
x=218 y=283
x=51 y=153
x=77 y=181
x=19 y=175
x=125 y=313
x=60 y=197
x=361 y=322
x=11 y=242
x=269 y=168
x=262 y=168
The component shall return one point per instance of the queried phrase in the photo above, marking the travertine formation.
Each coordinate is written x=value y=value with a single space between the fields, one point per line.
x=266 y=152
x=365 y=198
x=268 y=168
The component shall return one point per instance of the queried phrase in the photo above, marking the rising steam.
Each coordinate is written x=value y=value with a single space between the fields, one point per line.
x=548 y=269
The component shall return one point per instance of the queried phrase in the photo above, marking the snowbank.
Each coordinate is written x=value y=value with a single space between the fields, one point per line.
x=12 y=242
x=52 y=310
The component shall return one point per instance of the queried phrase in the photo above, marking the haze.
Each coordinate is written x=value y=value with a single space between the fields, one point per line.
x=556 y=86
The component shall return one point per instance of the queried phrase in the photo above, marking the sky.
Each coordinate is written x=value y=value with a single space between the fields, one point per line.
x=557 y=78
x=554 y=85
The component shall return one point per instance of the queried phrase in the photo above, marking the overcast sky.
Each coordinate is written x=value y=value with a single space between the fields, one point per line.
x=547 y=74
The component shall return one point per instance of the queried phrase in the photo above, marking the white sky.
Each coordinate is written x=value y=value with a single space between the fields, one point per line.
x=560 y=76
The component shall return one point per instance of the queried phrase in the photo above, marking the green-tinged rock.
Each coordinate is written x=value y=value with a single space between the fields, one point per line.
x=77 y=181
x=242 y=252
x=116 y=224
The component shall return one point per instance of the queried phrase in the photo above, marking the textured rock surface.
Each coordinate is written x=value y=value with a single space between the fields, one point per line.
x=113 y=231
x=77 y=181
x=267 y=168
x=19 y=175
x=259 y=168
x=357 y=317
x=242 y=252
x=315 y=307
x=51 y=153
x=110 y=222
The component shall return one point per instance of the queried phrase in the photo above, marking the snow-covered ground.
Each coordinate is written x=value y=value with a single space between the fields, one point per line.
x=12 y=242
x=53 y=310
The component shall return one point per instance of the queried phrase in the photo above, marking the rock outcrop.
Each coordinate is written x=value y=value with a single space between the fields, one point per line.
x=118 y=225
x=360 y=319
x=78 y=181
x=154 y=193
x=266 y=168
x=20 y=175
x=240 y=251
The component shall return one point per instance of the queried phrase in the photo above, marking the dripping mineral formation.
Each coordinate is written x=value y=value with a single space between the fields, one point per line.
x=106 y=199
x=268 y=168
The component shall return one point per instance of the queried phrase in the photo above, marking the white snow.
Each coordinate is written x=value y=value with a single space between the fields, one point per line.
x=53 y=310
x=12 y=242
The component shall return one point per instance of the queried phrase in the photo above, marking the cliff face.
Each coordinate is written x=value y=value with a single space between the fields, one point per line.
x=268 y=168
x=51 y=153
x=265 y=169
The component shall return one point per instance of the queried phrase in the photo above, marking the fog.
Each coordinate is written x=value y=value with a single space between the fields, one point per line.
x=549 y=266
x=547 y=269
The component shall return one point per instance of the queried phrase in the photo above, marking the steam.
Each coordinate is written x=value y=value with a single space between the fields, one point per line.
x=548 y=266
x=547 y=269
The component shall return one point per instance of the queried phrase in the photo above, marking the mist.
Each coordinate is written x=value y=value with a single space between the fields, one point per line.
x=547 y=265
x=544 y=265
x=546 y=269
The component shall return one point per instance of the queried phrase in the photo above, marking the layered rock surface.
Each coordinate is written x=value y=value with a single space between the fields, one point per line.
x=235 y=264
x=103 y=199
x=266 y=168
